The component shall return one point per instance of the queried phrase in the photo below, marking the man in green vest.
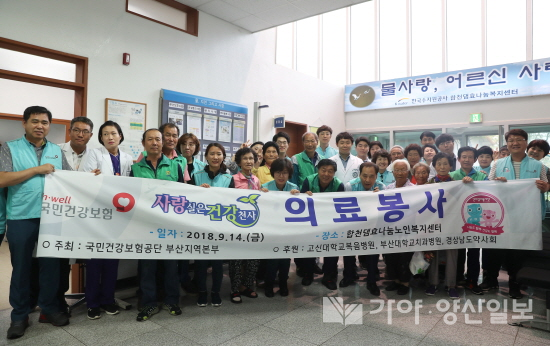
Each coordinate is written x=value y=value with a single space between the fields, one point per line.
x=155 y=165
x=305 y=163
x=324 y=181
x=515 y=166
x=24 y=162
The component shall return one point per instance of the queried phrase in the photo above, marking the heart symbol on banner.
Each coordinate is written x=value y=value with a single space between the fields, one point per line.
x=124 y=201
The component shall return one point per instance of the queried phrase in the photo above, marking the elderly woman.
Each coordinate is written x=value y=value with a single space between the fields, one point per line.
x=397 y=264
x=421 y=172
x=382 y=159
x=413 y=154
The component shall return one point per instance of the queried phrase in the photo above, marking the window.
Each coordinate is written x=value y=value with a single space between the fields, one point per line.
x=362 y=49
x=506 y=31
x=393 y=39
x=541 y=28
x=426 y=37
x=464 y=34
x=307 y=46
x=335 y=42
x=167 y=12
x=285 y=45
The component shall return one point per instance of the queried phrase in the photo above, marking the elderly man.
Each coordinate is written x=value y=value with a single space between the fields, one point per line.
x=516 y=166
x=397 y=153
x=305 y=163
x=24 y=162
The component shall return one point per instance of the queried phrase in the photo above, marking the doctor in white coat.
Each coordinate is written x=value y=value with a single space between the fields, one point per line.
x=101 y=274
x=347 y=169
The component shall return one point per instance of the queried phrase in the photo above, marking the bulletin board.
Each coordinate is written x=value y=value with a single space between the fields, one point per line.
x=210 y=120
x=131 y=117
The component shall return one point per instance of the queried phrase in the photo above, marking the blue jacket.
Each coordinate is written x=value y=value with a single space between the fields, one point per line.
x=387 y=177
x=356 y=185
x=530 y=168
x=25 y=199
x=272 y=186
x=219 y=180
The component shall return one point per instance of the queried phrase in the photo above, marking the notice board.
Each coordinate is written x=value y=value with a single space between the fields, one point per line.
x=210 y=120
x=131 y=117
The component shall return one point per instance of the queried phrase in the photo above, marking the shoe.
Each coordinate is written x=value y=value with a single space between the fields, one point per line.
x=283 y=288
x=461 y=283
x=393 y=286
x=317 y=270
x=307 y=280
x=94 y=313
x=430 y=291
x=373 y=289
x=300 y=272
x=216 y=299
x=402 y=290
x=474 y=287
x=329 y=283
x=250 y=293
x=488 y=285
x=453 y=293
x=236 y=298
x=58 y=319
x=269 y=291
x=17 y=329
x=345 y=282
x=515 y=291
x=110 y=309
x=203 y=299
x=146 y=313
x=173 y=309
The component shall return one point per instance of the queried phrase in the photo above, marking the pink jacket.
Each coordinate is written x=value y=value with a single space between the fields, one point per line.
x=242 y=183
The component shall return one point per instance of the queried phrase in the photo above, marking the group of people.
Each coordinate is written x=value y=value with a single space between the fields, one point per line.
x=319 y=168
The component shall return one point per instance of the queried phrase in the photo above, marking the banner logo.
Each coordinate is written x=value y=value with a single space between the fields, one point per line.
x=482 y=213
x=335 y=311
x=123 y=202
x=362 y=96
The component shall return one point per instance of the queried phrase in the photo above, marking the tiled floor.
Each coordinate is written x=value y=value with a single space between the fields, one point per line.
x=298 y=320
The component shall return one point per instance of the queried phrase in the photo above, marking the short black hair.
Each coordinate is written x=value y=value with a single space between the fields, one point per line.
x=36 y=110
x=84 y=120
x=372 y=144
x=242 y=152
x=485 y=150
x=266 y=146
x=362 y=139
x=256 y=143
x=516 y=132
x=327 y=162
x=413 y=147
x=381 y=153
x=467 y=148
x=427 y=134
x=441 y=155
x=541 y=144
x=368 y=164
x=110 y=123
x=504 y=147
x=281 y=134
x=223 y=167
x=145 y=133
x=442 y=138
x=344 y=135
x=324 y=128
x=280 y=165
x=429 y=146
x=170 y=126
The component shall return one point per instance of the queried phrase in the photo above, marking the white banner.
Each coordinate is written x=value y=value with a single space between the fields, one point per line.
x=86 y=216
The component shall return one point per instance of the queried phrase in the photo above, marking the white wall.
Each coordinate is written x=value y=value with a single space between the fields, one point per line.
x=520 y=110
x=224 y=62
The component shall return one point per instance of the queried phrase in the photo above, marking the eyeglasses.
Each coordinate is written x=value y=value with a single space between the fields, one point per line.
x=282 y=142
x=514 y=141
x=77 y=131
x=448 y=143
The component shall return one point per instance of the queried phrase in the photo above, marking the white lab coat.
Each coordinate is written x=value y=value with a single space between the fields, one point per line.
x=70 y=154
x=99 y=158
x=352 y=168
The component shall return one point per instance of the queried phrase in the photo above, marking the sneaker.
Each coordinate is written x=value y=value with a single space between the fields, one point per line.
x=345 y=282
x=329 y=283
x=474 y=287
x=146 y=313
x=216 y=299
x=307 y=279
x=110 y=309
x=453 y=293
x=488 y=285
x=203 y=299
x=430 y=291
x=58 y=319
x=402 y=290
x=94 y=313
x=17 y=329
x=173 y=309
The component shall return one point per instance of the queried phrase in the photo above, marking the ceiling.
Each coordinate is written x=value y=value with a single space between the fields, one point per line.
x=257 y=15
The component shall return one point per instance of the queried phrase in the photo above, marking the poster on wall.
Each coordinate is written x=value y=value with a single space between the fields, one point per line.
x=176 y=118
x=209 y=119
x=131 y=117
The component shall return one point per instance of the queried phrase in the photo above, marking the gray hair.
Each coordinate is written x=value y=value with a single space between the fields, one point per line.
x=398 y=147
x=401 y=161
x=310 y=133
x=84 y=120
x=421 y=164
